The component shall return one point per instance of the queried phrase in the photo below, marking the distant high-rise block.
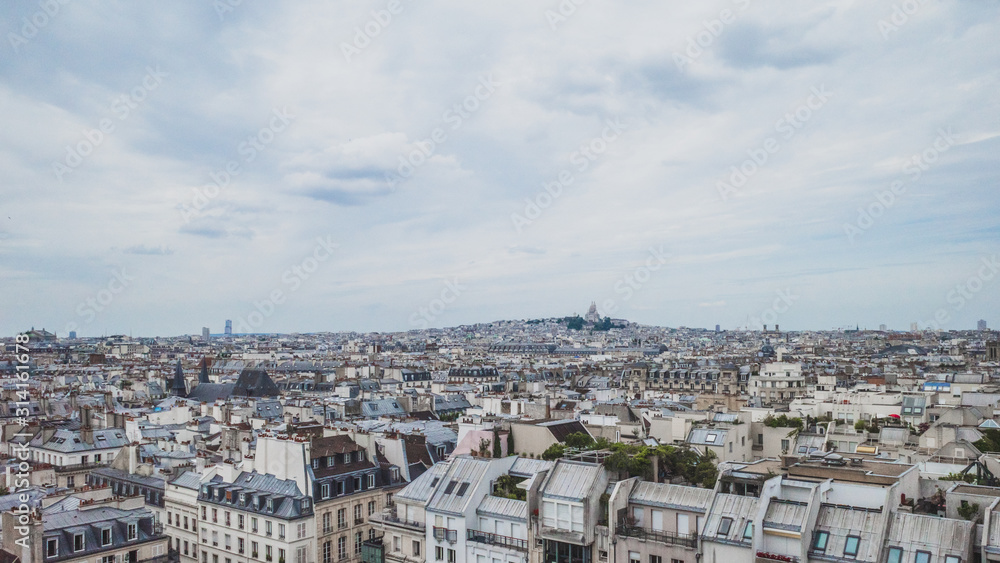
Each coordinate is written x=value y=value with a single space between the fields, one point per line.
x=717 y=328
x=205 y=333
x=913 y=327
x=882 y=327
x=72 y=335
x=981 y=325
x=229 y=328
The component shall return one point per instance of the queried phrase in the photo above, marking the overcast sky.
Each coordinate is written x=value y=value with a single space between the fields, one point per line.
x=391 y=159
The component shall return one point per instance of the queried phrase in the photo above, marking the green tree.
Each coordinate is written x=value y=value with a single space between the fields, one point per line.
x=968 y=511
x=554 y=452
x=497 y=450
x=579 y=440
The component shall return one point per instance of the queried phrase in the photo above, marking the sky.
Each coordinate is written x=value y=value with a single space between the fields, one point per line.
x=390 y=165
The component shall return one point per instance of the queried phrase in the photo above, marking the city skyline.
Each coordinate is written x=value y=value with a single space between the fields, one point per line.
x=391 y=166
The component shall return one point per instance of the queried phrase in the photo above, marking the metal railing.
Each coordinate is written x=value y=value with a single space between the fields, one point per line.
x=393 y=519
x=445 y=534
x=494 y=539
x=671 y=538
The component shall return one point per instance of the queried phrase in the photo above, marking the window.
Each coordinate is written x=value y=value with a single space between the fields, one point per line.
x=725 y=525
x=315 y=463
x=340 y=487
x=851 y=546
x=281 y=555
x=186 y=523
x=253 y=524
x=710 y=438
x=268 y=527
x=215 y=515
x=300 y=555
x=281 y=531
x=439 y=553
x=371 y=480
x=358 y=538
x=229 y=542
x=326 y=552
x=108 y=559
x=748 y=531
x=358 y=512
x=895 y=555
x=341 y=548
x=326 y=522
x=342 y=518
x=229 y=521
x=203 y=511
x=922 y=557
x=655 y=559
x=357 y=483
x=268 y=553
x=300 y=530
x=270 y=505
x=395 y=543
x=215 y=538
x=78 y=542
x=371 y=507
x=819 y=541
x=416 y=548
x=634 y=557
x=325 y=490
x=51 y=547
x=451 y=556
x=106 y=536
x=240 y=521
x=253 y=549
x=240 y=545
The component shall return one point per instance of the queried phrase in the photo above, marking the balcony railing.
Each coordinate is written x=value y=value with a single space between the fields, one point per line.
x=494 y=539
x=393 y=519
x=77 y=467
x=359 y=521
x=686 y=540
x=445 y=534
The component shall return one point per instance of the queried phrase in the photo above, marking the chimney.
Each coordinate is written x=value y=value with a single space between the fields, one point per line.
x=765 y=328
x=548 y=406
x=86 y=428
x=776 y=329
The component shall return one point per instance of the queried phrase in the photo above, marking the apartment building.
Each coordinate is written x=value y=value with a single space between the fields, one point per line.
x=778 y=382
x=180 y=502
x=92 y=532
x=255 y=518
x=348 y=489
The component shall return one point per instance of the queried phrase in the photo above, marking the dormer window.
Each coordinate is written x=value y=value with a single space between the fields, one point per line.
x=243 y=498
x=270 y=505
x=51 y=547
x=79 y=542
x=133 y=532
x=105 y=537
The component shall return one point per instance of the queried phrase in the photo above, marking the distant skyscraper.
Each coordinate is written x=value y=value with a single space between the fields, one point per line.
x=913 y=327
x=882 y=327
x=981 y=325
x=229 y=328
x=717 y=328
x=72 y=335
x=205 y=334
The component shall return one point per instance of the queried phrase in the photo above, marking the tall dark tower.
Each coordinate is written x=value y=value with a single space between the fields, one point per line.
x=178 y=388
x=203 y=375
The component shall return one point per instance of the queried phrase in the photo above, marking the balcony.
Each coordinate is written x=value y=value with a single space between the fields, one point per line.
x=494 y=539
x=670 y=538
x=78 y=467
x=766 y=557
x=450 y=536
x=394 y=520
x=359 y=521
